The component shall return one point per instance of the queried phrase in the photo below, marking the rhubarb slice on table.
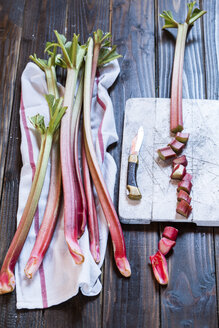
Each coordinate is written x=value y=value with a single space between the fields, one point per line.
x=166 y=153
x=159 y=266
x=165 y=245
x=170 y=233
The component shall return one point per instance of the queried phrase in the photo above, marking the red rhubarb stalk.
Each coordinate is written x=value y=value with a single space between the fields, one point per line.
x=7 y=280
x=93 y=228
x=81 y=202
x=183 y=208
x=73 y=57
x=176 y=117
x=166 y=153
x=180 y=160
x=104 y=197
x=183 y=195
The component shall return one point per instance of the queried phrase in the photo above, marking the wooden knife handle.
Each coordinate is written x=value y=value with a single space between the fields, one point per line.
x=132 y=187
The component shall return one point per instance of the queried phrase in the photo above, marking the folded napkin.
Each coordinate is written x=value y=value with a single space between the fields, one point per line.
x=59 y=278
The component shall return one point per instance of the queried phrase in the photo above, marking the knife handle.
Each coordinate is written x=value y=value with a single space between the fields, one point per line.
x=132 y=187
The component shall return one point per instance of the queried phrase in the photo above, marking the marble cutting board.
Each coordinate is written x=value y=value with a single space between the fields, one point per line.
x=159 y=196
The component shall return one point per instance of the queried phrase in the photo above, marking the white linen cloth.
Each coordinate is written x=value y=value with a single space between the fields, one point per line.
x=59 y=278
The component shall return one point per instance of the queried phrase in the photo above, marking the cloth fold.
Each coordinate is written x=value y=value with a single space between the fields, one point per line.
x=59 y=278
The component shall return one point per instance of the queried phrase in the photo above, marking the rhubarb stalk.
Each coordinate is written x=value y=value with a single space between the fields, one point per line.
x=104 y=197
x=176 y=116
x=7 y=280
x=48 y=224
x=73 y=55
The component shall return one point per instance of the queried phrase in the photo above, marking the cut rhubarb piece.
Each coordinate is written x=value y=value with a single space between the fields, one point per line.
x=170 y=233
x=180 y=160
x=166 y=153
x=187 y=177
x=183 y=195
x=184 y=208
x=165 y=245
x=182 y=137
x=159 y=266
x=178 y=172
x=176 y=145
x=185 y=185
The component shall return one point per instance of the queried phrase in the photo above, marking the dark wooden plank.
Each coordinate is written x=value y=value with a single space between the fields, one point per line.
x=132 y=302
x=211 y=42
x=40 y=18
x=83 y=17
x=190 y=297
x=10 y=37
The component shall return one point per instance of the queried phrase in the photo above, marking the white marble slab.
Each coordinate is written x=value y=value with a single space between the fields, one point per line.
x=159 y=196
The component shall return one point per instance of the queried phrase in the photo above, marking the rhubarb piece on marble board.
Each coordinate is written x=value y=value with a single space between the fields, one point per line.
x=165 y=245
x=178 y=172
x=183 y=208
x=187 y=177
x=170 y=233
x=176 y=145
x=183 y=195
x=159 y=266
x=166 y=153
x=182 y=137
x=185 y=185
x=180 y=160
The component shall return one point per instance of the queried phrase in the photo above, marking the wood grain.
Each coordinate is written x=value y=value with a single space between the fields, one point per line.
x=190 y=297
x=211 y=43
x=132 y=302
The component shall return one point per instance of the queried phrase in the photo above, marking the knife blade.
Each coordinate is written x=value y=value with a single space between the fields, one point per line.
x=132 y=187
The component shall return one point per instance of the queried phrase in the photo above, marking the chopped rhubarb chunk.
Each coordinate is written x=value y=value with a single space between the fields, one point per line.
x=180 y=160
x=183 y=195
x=176 y=145
x=185 y=185
x=182 y=137
x=178 y=172
x=187 y=177
x=184 y=208
x=159 y=266
x=166 y=153
x=170 y=233
x=165 y=245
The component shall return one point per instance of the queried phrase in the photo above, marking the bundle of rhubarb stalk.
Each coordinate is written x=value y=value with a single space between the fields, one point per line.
x=63 y=141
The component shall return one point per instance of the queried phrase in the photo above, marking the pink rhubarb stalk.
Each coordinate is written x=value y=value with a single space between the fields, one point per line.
x=50 y=215
x=73 y=59
x=7 y=280
x=176 y=116
x=180 y=160
x=166 y=153
x=104 y=197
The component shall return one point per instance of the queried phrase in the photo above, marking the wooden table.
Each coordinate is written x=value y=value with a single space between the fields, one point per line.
x=190 y=299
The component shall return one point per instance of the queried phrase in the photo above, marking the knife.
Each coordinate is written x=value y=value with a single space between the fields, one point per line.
x=132 y=187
